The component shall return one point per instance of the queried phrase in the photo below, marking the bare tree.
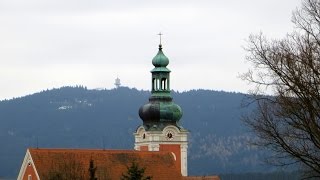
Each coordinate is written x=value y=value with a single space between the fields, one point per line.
x=288 y=123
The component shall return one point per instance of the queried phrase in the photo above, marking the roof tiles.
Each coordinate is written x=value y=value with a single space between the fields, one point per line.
x=111 y=164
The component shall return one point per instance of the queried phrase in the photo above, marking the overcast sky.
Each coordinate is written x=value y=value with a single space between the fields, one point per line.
x=53 y=43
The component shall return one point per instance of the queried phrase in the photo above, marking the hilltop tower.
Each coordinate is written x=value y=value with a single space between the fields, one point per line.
x=160 y=130
x=117 y=82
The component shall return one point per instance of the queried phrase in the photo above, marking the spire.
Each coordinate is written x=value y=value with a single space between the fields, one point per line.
x=161 y=129
x=160 y=45
x=160 y=111
x=160 y=60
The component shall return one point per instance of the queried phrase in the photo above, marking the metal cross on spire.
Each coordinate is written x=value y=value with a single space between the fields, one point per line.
x=160 y=34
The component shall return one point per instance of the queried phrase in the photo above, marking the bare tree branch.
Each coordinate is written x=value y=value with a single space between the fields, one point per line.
x=288 y=123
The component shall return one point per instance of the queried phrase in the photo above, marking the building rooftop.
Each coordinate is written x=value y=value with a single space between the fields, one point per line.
x=111 y=164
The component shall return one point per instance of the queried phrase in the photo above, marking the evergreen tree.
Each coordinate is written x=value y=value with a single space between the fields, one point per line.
x=92 y=170
x=135 y=173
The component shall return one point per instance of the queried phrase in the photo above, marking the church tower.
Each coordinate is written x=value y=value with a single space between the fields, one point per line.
x=161 y=130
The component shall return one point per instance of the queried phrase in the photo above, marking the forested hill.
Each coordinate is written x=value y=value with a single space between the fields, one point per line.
x=75 y=117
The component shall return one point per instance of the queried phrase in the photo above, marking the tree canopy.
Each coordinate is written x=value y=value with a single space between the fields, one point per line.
x=288 y=122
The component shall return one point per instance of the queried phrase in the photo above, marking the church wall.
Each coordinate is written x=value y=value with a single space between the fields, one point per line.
x=144 y=148
x=30 y=171
x=175 y=148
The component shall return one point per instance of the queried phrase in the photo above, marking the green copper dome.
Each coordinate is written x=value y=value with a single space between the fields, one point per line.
x=160 y=60
x=160 y=111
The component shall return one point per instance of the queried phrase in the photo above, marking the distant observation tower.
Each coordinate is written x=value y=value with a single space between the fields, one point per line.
x=117 y=83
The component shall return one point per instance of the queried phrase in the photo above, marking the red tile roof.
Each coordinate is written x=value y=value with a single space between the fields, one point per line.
x=111 y=164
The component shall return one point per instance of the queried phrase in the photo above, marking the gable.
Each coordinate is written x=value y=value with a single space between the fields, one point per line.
x=28 y=168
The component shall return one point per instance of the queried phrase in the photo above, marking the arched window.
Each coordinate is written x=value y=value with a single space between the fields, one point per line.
x=153 y=84
x=163 y=84
x=158 y=84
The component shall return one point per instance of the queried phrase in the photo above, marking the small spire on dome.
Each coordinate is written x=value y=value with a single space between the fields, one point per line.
x=160 y=45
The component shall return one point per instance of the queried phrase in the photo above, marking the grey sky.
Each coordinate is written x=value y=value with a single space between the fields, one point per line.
x=46 y=44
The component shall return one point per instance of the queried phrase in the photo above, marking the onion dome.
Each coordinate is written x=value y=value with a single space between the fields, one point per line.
x=160 y=111
x=160 y=60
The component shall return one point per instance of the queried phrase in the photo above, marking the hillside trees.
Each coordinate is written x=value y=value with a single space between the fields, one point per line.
x=288 y=123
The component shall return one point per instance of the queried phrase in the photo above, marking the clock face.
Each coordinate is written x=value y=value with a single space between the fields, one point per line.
x=169 y=135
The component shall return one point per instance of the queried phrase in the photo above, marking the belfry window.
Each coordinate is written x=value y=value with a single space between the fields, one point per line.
x=163 y=84
x=153 y=84
x=158 y=84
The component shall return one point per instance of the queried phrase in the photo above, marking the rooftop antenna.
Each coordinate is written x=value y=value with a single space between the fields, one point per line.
x=37 y=141
x=103 y=145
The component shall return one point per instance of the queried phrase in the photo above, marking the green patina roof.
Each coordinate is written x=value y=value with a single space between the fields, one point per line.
x=170 y=111
x=160 y=69
x=161 y=110
x=160 y=60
